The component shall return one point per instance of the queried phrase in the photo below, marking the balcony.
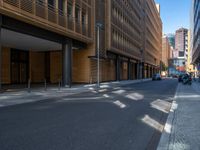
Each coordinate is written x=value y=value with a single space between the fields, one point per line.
x=39 y=12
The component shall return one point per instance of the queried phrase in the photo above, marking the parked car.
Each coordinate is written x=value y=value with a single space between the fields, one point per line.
x=156 y=76
x=175 y=76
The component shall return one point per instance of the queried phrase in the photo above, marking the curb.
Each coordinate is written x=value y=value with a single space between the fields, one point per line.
x=166 y=134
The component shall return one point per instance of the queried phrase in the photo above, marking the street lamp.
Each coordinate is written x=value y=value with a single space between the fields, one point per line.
x=98 y=26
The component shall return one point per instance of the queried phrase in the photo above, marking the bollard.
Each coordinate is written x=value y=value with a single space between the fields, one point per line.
x=45 y=84
x=59 y=85
x=29 y=85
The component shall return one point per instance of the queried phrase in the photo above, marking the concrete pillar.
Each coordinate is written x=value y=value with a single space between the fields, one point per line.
x=118 y=68
x=73 y=14
x=65 y=11
x=34 y=6
x=0 y=54
x=67 y=64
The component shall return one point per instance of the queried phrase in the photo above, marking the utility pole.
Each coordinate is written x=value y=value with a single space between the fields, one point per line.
x=99 y=26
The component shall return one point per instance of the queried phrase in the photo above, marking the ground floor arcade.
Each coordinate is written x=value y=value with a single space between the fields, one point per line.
x=116 y=68
x=19 y=66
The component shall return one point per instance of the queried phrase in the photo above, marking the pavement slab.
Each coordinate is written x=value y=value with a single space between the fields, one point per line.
x=183 y=121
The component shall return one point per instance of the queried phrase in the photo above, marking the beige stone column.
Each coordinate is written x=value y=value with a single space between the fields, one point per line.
x=65 y=11
x=57 y=11
x=0 y=53
x=80 y=17
x=1 y=3
x=73 y=14
x=46 y=8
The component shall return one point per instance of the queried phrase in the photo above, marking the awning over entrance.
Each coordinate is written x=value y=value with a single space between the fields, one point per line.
x=27 y=42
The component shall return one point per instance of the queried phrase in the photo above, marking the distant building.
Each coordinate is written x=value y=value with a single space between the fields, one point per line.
x=177 y=64
x=181 y=41
x=166 y=48
x=171 y=38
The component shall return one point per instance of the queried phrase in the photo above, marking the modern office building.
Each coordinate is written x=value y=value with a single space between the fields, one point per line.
x=196 y=32
x=131 y=38
x=40 y=38
x=57 y=40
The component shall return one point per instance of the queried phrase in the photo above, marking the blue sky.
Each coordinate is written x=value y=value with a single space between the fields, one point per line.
x=174 y=14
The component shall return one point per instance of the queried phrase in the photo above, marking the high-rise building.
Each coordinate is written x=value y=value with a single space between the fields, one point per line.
x=195 y=32
x=171 y=38
x=181 y=41
x=57 y=40
x=177 y=64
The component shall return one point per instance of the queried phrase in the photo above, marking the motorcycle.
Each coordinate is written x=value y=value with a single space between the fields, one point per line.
x=187 y=80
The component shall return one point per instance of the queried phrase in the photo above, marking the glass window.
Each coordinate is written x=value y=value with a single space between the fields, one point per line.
x=77 y=12
x=69 y=9
x=83 y=17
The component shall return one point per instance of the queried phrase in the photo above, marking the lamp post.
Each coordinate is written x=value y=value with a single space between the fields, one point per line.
x=99 y=26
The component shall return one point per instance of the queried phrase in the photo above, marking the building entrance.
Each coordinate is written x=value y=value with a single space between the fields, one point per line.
x=19 y=66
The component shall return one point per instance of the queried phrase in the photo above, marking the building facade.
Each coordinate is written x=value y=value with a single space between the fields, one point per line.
x=178 y=62
x=57 y=40
x=196 y=32
x=166 y=50
x=181 y=41
x=189 y=66
x=171 y=38
x=40 y=38
x=181 y=50
x=131 y=38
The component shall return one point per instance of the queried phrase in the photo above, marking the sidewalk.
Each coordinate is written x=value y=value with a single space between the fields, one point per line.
x=37 y=94
x=182 y=130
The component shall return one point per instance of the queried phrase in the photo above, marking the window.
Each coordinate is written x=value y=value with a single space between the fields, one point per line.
x=60 y=7
x=51 y=4
x=69 y=9
x=83 y=17
x=77 y=12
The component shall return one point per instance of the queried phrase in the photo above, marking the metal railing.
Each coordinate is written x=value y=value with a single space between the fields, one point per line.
x=41 y=10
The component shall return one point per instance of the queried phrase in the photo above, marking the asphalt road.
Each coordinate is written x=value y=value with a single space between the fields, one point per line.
x=119 y=118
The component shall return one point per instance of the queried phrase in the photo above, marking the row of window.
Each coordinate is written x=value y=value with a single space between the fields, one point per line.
x=125 y=42
x=80 y=13
x=121 y=19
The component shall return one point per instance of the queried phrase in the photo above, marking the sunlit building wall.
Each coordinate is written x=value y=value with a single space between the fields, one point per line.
x=195 y=26
x=166 y=50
